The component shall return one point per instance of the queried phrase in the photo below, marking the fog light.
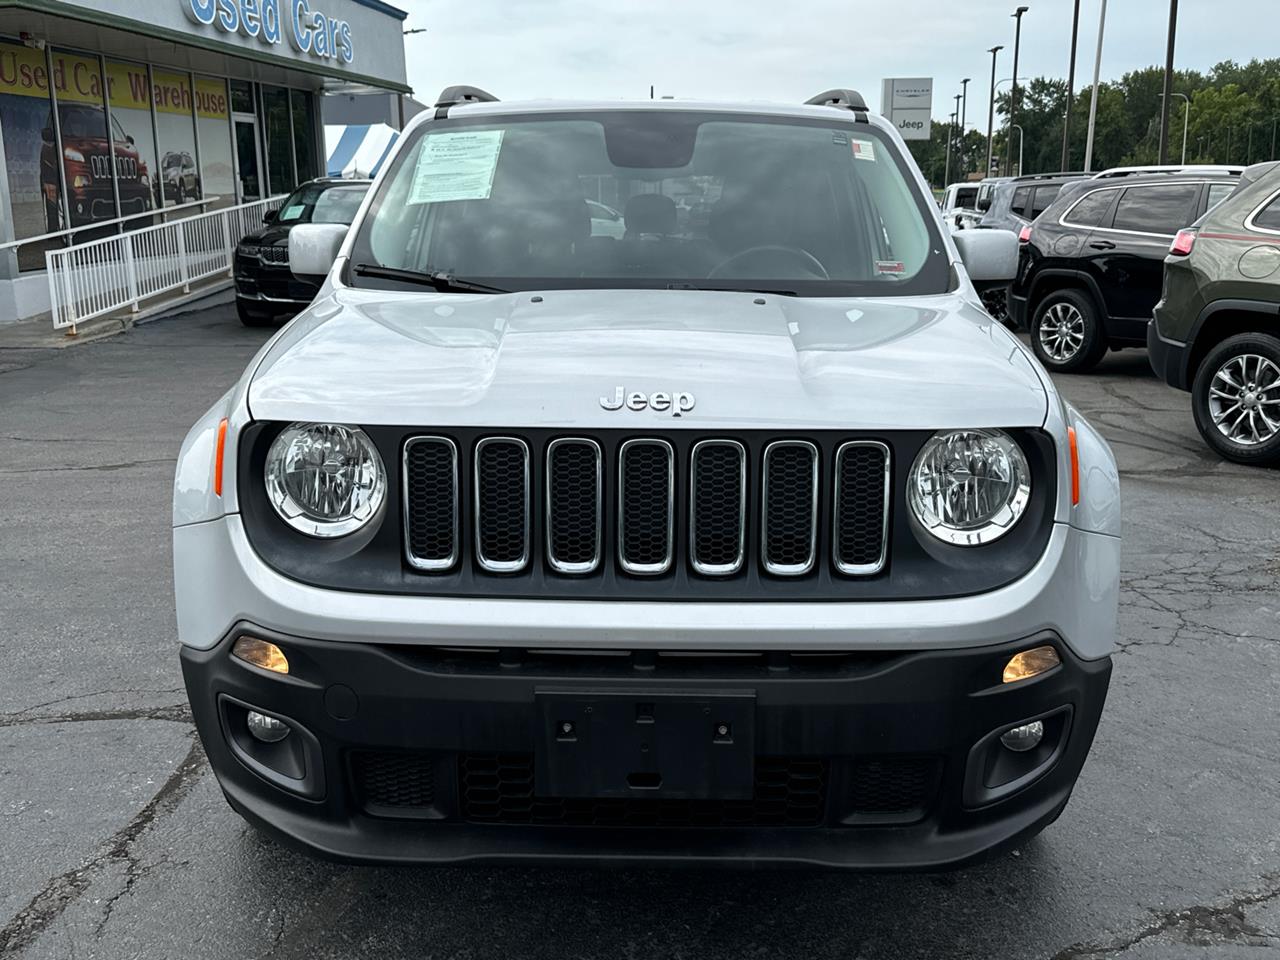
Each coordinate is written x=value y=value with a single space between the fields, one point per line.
x=1031 y=663
x=1019 y=739
x=270 y=730
x=260 y=653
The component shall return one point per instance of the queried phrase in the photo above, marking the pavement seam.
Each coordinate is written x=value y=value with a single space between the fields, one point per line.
x=1207 y=918
x=175 y=712
x=63 y=890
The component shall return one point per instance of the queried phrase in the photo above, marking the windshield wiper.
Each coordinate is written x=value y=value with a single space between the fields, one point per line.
x=428 y=278
x=777 y=292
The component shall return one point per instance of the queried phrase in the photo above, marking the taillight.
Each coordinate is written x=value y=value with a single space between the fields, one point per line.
x=1024 y=235
x=1183 y=243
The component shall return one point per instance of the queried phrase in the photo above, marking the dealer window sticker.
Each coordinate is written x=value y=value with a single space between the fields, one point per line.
x=292 y=212
x=456 y=166
x=864 y=149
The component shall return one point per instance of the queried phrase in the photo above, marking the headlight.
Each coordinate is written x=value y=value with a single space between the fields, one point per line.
x=325 y=479
x=74 y=155
x=969 y=487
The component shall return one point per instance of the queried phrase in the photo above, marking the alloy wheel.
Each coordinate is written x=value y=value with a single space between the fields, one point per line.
x=1244 y=399
x=1061 y=332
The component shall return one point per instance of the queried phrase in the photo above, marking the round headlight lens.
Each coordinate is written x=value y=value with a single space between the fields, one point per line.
x=325 y=479
x=969 y=487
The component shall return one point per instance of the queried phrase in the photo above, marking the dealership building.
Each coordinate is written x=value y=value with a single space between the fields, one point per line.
x=118 y=115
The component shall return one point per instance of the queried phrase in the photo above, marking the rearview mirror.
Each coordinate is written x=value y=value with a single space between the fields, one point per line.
x=988 y=255
x=313 y=247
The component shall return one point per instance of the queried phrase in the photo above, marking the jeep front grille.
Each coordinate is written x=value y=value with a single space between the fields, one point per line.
x=645 y=506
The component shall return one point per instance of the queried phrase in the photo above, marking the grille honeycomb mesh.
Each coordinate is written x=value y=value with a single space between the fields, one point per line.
x=397 y=780
x=789 y=792
x=646 y=504
x=860 y=475
x=573 y=475
x=894 y=786
x=789 y=521
x=432 y=500
x=502 y=502
x=717 y=505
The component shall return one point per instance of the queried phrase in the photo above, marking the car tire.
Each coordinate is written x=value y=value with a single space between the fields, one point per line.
x=1066 y=332
x=1236 y=396
x=251 y=318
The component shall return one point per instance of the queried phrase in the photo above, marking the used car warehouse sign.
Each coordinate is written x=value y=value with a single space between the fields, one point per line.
x=309 y=32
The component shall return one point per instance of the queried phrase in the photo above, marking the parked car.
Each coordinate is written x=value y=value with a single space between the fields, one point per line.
x=1012 y=203
x=1090 y=268
x=958 y=201
x=181 y=178
x=87 y=166
x=758 y=543
x=267 y=290
x=1216 y=329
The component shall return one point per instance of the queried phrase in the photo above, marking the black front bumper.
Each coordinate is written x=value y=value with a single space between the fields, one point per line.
x=868 y=761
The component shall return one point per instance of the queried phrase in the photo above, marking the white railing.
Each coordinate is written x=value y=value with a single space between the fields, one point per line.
x=114 y=273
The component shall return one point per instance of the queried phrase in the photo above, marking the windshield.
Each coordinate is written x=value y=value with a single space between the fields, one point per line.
x=318 y=203
x=708 y=201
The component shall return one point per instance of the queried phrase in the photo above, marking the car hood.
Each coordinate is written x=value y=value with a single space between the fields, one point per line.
x=526 y=360
x=274 y=233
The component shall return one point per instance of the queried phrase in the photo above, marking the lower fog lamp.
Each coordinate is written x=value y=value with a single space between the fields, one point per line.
x=265 y=728
x=1019 y=739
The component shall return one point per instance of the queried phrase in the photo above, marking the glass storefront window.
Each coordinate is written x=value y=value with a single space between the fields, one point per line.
x=279 y=139
x=242 y=96
x=129 y=95
x=30 y=151
x=178 y=176
x=304 y=137
x=213 y=124
x=87 y=142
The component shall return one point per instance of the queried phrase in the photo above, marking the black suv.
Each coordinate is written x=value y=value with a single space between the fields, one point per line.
x=1091 y=265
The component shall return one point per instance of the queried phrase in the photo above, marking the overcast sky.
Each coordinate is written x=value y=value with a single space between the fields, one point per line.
x=791 y=49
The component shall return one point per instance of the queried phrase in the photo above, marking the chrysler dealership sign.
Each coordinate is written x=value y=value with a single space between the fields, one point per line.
x=309 y=32
x=908 y=104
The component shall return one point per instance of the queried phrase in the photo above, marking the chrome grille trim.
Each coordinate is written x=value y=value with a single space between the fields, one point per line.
x=559 y=566
x=500 y=566
x=866 y=569
x=789 y=569
x=712 y=569
x=429 y=564
x=646 y=569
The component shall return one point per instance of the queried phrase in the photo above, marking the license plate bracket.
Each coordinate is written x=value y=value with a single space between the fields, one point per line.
x=644 y=743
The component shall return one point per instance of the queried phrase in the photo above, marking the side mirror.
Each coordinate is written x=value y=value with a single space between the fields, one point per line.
x=128 y=138
x=988 y=255
x=313 y=247
x=271 y=216
x=46 y=134
x=984 y=203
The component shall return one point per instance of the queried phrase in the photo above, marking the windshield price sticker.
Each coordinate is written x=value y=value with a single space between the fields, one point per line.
x=456 y=166
x=864 y=149
x=292 y=212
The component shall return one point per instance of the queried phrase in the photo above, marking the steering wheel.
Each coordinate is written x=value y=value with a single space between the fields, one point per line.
x=811 y=263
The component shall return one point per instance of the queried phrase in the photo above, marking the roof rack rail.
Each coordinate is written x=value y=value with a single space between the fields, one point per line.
x=849 y=99
x=452 y=96
x=1230 y=169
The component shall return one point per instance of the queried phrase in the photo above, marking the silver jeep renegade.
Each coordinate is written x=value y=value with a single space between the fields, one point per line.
x=647 y=483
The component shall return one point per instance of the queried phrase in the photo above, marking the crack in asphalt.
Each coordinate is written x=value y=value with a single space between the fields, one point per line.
x=63 y=890
x=86 y=696
x=174 y=712
x=1200 y=925
x=128 y=464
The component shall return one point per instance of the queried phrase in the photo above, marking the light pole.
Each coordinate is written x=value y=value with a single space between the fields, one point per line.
x=991 y=111
x=1093 y=96
x=1071 y=82
x=1013 y=92
x=946 y=171
x=957 y=133
x=1021 y=139
x=964 y=110
x=1168 y=83
x=1186 y=122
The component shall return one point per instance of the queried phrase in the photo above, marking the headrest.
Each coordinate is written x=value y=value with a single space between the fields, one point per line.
x=650 y=213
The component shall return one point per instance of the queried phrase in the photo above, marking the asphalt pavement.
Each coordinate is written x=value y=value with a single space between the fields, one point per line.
x=115 y=841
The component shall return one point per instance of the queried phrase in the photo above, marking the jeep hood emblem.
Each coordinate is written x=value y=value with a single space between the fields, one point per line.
x=678 y=402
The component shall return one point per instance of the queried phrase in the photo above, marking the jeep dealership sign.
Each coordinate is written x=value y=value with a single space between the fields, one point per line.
x=908 y=104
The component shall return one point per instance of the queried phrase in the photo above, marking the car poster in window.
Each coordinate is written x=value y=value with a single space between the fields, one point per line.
x=456 y=166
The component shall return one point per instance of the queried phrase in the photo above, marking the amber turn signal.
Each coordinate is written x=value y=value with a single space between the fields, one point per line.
x=268 y=656
x=1030 y=663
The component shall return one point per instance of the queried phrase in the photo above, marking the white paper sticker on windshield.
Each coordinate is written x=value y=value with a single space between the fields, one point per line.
x=864 y=149
x=456 y=166
x=292 y=212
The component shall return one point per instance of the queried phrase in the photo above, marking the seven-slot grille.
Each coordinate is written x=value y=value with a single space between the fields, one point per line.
x=597 y=508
